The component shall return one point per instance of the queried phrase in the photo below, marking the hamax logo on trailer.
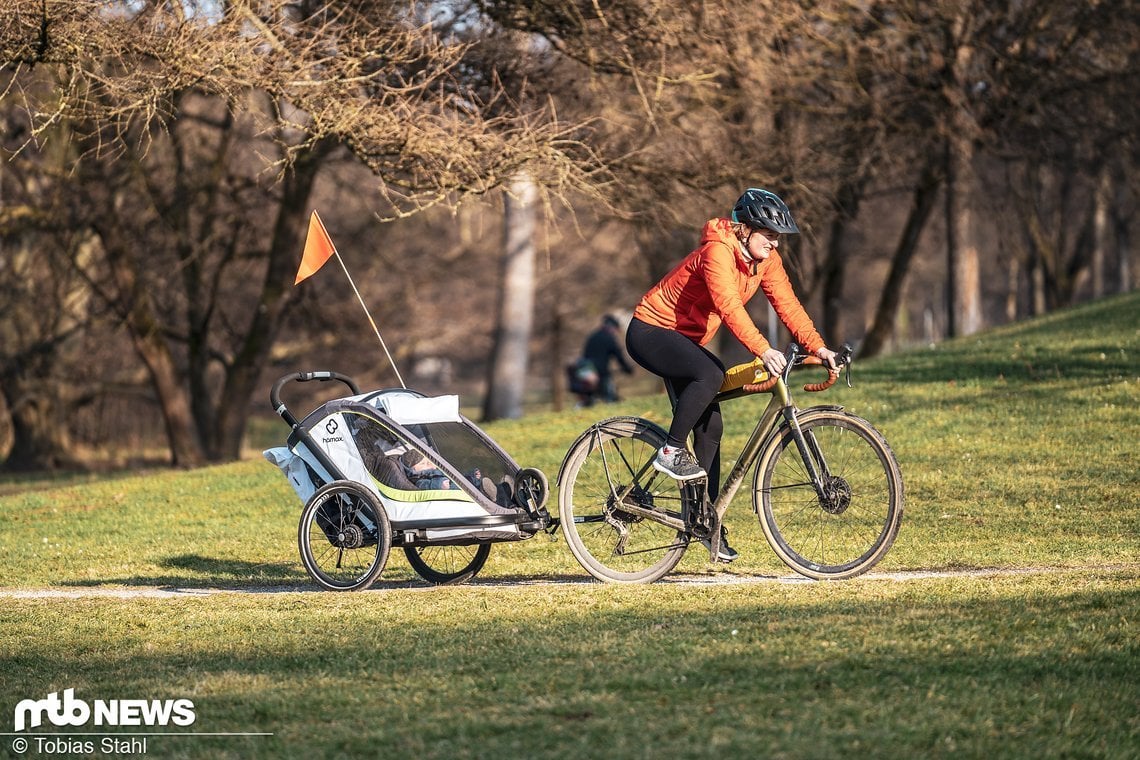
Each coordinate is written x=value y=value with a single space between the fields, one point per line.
x=69 y=711
x=331 y=427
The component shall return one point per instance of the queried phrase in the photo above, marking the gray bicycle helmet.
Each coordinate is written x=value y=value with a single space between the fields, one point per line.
x=760 y=208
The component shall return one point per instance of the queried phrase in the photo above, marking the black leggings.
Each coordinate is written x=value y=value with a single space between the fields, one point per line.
x=692 y=375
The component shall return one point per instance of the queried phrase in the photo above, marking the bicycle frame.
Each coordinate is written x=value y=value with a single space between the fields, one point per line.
x=781 y=402
x=779 y=405
x=695 y=518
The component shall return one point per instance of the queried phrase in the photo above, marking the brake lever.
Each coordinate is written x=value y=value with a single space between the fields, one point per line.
x=847 y=357
x=793 y=354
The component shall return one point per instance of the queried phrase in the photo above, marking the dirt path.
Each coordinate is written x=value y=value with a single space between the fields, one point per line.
x=715 y=579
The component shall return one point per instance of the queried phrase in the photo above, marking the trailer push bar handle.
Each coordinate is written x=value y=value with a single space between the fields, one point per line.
x=304 y=377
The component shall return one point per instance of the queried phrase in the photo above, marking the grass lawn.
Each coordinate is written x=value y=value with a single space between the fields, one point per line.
x=1018 y=448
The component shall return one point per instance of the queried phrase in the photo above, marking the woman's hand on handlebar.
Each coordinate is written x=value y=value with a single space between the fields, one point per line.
x=829 y=358
x=774 y=362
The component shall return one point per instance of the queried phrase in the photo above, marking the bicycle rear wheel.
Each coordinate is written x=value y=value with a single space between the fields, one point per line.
x=606 y=471
x=845 y=530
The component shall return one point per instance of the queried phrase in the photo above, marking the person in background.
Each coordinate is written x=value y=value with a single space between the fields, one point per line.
x=737 y=256
x=602 y=347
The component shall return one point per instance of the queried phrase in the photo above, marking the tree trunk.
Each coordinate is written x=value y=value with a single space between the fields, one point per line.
x=557 y=362
x=510 y=349
x=834 y=269
x=1012 y=286
x=1102 y=231
x=1124 y=264
x=146 y=335
x=963 y=280
x=198 y=281
x=922 y=204
x=1037 y=288
x=963 y=274
x=36 y=405
x=39 y=440
x=244 y=371
x=1121 y=221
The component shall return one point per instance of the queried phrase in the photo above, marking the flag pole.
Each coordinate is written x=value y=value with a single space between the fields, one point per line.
x=319 y=247
x=371 y=321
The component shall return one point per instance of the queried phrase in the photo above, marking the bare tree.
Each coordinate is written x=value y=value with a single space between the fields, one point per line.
x=46 y=351
x=1064 y=131
x=144 y=89
x=197 y=135
x=38 y=349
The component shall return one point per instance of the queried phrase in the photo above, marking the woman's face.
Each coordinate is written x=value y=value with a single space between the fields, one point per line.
x=762 y=242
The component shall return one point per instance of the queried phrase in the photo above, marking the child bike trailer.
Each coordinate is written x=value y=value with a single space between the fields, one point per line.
x=398 y=468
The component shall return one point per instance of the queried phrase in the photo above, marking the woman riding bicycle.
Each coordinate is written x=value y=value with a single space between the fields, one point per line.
x=682 y=312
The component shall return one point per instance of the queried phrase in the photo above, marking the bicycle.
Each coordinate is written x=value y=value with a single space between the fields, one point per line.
x=827 y=488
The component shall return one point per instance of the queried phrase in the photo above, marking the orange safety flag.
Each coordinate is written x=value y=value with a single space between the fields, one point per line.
x=318 y=248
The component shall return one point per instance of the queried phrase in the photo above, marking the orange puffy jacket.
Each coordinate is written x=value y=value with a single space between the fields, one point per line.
x=713 y=283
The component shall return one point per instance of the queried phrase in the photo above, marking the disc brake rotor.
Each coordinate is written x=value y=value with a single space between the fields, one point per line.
x=836 y=495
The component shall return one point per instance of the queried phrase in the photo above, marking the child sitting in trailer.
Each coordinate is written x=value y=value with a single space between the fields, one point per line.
x=405 y=469
x=394 y=465
x=425 y=475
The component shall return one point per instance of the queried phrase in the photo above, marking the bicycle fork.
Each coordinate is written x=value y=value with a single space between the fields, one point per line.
x=810 y=453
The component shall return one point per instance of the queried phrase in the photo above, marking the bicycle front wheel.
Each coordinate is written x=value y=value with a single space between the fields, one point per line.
x=844 y=527
x=614 y=505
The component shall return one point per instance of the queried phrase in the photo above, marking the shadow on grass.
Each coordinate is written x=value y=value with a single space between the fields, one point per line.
x=212 y=573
